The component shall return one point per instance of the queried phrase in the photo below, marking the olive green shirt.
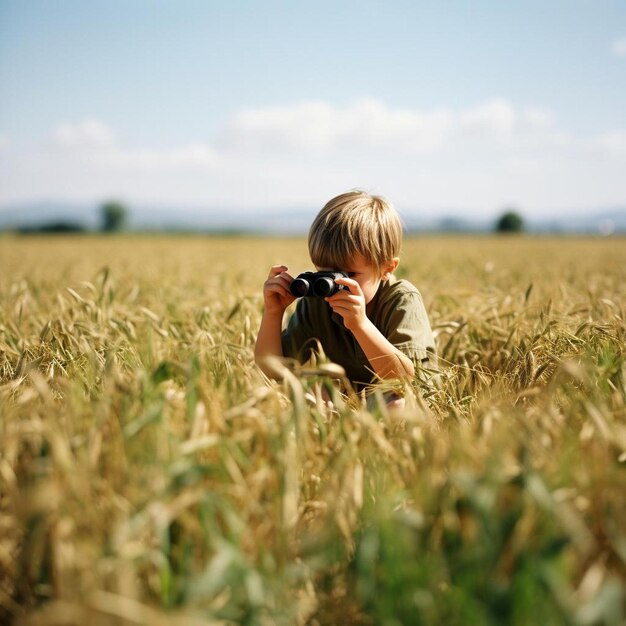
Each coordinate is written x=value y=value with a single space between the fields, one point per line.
x=397 y=310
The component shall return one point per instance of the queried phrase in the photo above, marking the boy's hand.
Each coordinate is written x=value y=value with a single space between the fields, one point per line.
x=349 y=304
x=276 y=294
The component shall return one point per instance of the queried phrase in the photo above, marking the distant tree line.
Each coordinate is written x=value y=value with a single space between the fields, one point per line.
x=510 y=222
x=114 y=215
x=57 y=227
x=113 y=219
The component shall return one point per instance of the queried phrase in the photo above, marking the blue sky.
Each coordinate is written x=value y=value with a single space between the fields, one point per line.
x=456 y=107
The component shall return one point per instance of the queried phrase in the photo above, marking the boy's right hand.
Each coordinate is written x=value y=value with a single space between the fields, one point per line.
x=276 y=294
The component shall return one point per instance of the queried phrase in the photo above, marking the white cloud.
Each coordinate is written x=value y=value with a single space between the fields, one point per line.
x=614 y=142
x=319 y=127
x=366 y=129
x=93 y=140
x=473 y=158
x=619 y=47
x=536 y=117
x=370 y=123
x=183 y=157
x=497 y=116
x=88 y=133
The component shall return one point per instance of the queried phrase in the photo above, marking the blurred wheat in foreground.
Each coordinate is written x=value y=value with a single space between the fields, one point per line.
x=150 y=475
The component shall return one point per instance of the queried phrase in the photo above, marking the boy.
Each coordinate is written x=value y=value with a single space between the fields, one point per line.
x=376 y=328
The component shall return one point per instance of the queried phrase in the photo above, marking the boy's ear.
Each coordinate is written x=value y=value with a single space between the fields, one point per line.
x=390 y=267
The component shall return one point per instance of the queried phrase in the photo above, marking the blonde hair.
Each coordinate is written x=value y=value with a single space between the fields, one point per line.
x=354 y=223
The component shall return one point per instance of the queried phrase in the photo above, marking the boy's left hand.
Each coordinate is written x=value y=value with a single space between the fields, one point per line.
x=349 y=303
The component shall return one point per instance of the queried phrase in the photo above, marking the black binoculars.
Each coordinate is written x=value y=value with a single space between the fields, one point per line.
x=316 y=284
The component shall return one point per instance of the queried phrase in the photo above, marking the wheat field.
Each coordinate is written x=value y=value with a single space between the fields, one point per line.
x=150 y=474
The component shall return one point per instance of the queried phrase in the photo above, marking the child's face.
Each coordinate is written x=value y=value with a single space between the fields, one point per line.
x=367 y=275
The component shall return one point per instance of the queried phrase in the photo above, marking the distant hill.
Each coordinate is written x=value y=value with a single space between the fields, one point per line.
x=233 y=220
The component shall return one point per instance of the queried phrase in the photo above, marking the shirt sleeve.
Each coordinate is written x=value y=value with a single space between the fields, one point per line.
x=407 y=327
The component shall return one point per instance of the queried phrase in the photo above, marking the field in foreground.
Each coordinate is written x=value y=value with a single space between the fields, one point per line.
x=149 y=474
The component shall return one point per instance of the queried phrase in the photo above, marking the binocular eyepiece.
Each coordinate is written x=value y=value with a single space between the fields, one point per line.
x=316 y=284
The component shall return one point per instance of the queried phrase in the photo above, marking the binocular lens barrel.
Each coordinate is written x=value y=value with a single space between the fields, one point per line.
x=324 y=287
x=299 y=287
